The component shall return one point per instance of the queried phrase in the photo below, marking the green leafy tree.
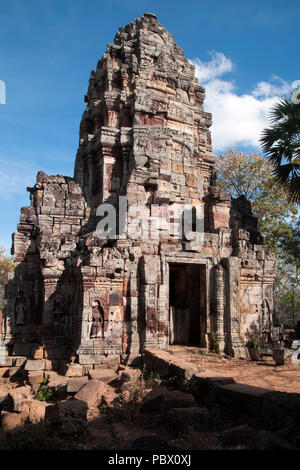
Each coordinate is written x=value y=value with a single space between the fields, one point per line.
x=251 y=175
x=287 y=286
x=6 y=267
x=281 y=143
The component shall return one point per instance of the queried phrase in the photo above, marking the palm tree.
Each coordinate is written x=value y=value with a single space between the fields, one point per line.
x=281 y=143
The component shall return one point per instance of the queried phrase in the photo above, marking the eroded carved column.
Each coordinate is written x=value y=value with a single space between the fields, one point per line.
x=219 y=286
x=233 y=343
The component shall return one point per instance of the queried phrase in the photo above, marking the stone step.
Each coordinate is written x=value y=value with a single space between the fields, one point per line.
x=242 y=398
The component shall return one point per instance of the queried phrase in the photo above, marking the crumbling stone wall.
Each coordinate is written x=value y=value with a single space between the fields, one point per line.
x=144 y=135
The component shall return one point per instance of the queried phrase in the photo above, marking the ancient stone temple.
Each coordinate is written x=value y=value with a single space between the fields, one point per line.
x=144 y=141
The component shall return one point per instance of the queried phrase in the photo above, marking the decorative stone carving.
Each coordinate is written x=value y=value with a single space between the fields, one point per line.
x=97 y=321
x=21 y=309
x=266 y=321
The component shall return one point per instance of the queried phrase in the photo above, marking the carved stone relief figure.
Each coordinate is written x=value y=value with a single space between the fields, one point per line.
x=205 y=184
x=266 y=322
x=97 y=318
x=21 y=309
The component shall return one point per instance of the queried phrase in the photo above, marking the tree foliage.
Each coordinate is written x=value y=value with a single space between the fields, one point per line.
x=287 y=286
x=281 y=143
x=6 y=267
x=251 y=175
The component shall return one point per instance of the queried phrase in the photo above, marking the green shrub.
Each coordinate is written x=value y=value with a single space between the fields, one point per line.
x=149 y=377
x=214 y=342
x=44 y=393
x=254 y=342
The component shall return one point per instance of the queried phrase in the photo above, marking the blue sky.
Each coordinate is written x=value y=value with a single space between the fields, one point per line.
x=246 y=55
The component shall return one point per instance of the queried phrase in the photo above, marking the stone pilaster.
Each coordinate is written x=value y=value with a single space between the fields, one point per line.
x=233 y=343
x=219 y=289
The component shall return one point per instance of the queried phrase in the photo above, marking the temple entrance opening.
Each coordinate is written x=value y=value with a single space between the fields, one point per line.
x=187 y=317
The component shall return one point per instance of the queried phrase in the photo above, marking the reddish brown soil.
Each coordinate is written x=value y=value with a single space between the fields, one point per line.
x=260 y=374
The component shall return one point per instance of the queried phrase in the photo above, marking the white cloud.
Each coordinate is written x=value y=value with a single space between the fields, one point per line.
x=14 y=177
x=269 y=89
x=218 y=65
x=2 y=92
x=238 y=119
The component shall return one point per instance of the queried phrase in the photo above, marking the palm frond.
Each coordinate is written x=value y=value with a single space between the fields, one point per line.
x=281 y=144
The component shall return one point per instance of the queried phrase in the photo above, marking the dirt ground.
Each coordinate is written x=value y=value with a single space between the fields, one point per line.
x=260 y=374
x=126 y=427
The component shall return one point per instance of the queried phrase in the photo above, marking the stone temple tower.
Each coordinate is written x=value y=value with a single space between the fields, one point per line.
x=144 y=139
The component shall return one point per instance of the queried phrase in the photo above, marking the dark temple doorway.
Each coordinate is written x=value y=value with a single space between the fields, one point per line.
x=187 y=304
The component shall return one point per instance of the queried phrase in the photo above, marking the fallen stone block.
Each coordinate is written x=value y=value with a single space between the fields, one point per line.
x=87 y=368
x=19 y=361
x=4 y=371
x=58 y=384
x=16 y=372
x=105 y=375
x=73 y=370
x=242 y=399
x=35 y=378
x=157 y=360
x=12 y=421
x=92 y=392
x=54 y=379
x=182 y=369
x=206 y=383
x=37 y=410
x=109 y=396
x=76 y=383
x=52 y=364
x=66 y=409
x=35 y=364
x=152 y=401
x=6 y=361
x=161 y=365
x=19 y=399
x=176 y=399
x=165 y=364
x=129 y=375
x=179 y=419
